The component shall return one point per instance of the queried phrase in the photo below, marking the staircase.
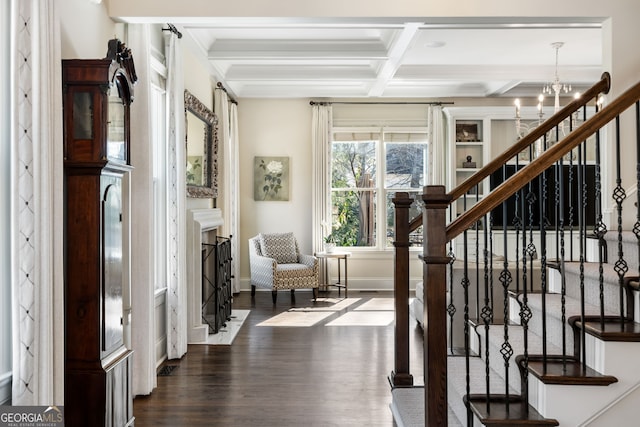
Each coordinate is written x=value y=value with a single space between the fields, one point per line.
x=566 y=351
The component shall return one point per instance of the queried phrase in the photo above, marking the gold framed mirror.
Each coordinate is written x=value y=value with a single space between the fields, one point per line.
x=201 y=148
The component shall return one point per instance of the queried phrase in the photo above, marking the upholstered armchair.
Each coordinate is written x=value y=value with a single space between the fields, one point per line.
x=276 y=263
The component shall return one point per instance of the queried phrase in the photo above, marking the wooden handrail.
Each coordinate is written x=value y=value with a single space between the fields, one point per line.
x=543 y=162
x=600 y=87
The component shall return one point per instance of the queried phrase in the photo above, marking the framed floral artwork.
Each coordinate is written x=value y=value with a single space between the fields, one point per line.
x=271 y=179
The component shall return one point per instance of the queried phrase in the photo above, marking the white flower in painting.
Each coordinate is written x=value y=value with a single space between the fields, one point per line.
x=272 y=178
x=274 y=167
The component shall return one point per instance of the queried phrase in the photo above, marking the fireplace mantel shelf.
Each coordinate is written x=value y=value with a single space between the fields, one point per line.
x=208 y=218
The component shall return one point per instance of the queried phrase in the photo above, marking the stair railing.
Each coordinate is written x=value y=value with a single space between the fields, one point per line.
x=437 y=234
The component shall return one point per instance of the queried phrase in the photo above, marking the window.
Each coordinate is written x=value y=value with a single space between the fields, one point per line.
x=160 y=204
x=369 y=165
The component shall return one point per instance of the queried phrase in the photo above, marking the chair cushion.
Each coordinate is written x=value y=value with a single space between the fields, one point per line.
x=279 y=246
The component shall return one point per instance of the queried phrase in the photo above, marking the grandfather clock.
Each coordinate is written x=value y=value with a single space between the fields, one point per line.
x=97 y=95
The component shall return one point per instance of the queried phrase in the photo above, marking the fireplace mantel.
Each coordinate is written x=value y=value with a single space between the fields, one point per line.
x=199 y=221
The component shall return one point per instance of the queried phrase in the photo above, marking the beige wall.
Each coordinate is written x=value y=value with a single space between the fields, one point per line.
x=85 y=29
x=280 y=127
x=196 y=78
x=198 y=81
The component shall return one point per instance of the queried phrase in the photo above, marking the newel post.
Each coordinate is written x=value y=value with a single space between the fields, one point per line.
x=435 y=259
x=400 y=375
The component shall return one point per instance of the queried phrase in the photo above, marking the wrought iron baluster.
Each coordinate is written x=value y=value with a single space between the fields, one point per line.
x=477 y=259
x=451 y=308
x=542 y=226
x=570 y=220
x=525 y=311
x=490 y=227
x=582 y=203
x=619 y=195
x=517 y=225
x=506 y=349
x=600 y=228
x=487 y=313
x=560 y=230
x=467 y=347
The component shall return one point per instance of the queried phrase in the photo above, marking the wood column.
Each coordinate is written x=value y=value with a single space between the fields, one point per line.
x=400 y=375
x=436 y=202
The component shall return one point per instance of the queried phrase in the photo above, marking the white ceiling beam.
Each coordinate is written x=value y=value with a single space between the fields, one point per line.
x=499 y=88
x=396 y=53
x=298 y=49
x=327 y=73
x=265 y=89
x=531 y=73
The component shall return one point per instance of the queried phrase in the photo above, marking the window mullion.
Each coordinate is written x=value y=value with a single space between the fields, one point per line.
x=381 y=214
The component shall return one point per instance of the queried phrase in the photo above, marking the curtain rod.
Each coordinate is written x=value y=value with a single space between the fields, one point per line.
x=380 y=102
x=219 y=86
x=173 y=29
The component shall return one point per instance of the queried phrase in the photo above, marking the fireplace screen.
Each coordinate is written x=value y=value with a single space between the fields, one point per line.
x=216 y=283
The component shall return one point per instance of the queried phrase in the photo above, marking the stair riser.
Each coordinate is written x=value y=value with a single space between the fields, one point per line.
x=497 y=362
x=629 y=249
x=554 y=325
x=611 y=291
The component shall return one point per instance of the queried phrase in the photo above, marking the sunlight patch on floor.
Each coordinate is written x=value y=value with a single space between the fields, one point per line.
x=364 y=318
x=374 y=312
x=377 y=304
x=297 y=318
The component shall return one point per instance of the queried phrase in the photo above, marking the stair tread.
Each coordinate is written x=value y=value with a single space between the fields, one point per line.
x=502 y=411
x=611 y=329
x=565 y=371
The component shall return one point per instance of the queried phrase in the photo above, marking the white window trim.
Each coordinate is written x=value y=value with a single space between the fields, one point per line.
x=380 y=247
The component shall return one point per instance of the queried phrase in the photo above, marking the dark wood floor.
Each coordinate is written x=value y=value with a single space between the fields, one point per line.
x=283 y=376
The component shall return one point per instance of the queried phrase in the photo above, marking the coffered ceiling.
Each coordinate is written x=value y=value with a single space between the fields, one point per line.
x=343 y=58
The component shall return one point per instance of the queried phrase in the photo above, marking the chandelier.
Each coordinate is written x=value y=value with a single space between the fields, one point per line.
x=555 y=85
x=555 y=88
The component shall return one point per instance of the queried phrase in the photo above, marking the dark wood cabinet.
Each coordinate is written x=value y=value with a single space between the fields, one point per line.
x=97 y=95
